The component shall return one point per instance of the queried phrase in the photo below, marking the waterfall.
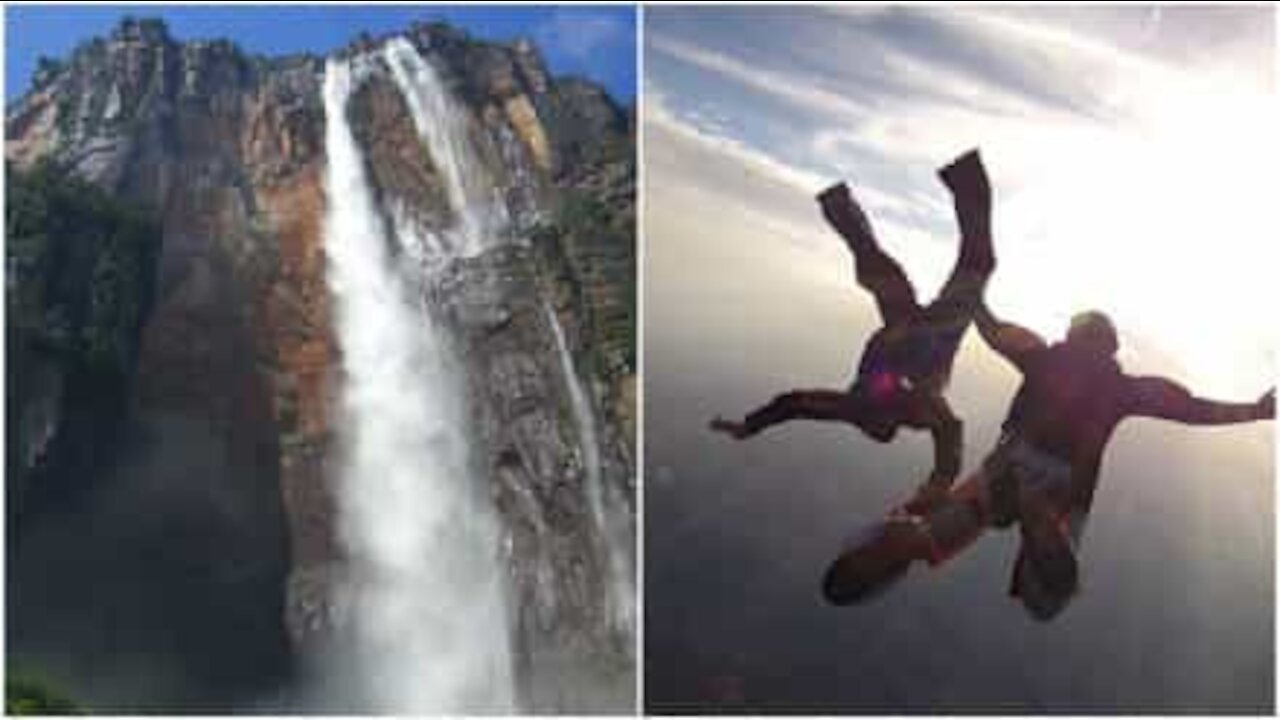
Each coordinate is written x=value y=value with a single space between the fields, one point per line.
x=428 y=624
x=481 y=217
x=481 y=212
x=606 y=512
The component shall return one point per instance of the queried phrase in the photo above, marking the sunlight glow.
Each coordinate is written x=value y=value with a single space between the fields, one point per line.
x=1128 y=180
x=1175 y=236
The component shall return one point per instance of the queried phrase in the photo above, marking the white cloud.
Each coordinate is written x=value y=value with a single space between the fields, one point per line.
x=1132 y=181
x=930 y=110
x=779 y=85
x=778 y=198
x=658 y=112
x=707 y=131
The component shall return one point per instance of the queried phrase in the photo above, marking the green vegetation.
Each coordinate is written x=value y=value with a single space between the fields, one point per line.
x=79 y=269
x=582 y=212
x=47 y=68
x=65 y=117
x=590 y=242
x=27 y=695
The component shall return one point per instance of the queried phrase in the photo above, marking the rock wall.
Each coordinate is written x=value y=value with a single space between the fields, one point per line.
x=229 y=412
x=529 y=443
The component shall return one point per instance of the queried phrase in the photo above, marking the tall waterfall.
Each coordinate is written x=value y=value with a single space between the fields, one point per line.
x=481 y=214
x=429 y=624
x=607 y=512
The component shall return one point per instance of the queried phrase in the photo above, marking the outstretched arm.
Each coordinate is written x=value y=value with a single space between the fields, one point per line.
x=1159 y=397
x=1014 y=342
x=794 y=405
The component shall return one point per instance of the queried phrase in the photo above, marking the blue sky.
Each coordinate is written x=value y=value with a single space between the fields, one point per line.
x=1120 y=139
x=595 y=41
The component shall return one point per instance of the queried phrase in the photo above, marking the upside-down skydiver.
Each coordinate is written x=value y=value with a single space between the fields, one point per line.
x=906 y=364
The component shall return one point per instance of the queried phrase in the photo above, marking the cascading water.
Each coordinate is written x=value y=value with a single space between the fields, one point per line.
x=482 y=216
x=429 y=625
x=481 y=213
x=606 y=513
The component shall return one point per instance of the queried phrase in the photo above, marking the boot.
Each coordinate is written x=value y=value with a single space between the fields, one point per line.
x=844 y=214
x=970 y=188
x=966 y=176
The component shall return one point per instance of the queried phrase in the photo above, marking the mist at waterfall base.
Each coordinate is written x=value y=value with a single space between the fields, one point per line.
x=1176 y=613
x=428 y=623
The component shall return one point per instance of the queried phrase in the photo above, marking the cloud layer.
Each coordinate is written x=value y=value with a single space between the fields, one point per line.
x=1130 y=146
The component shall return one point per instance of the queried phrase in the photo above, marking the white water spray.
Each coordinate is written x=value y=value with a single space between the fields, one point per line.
x=604 y=507
x=481 y=213
x=429 y=624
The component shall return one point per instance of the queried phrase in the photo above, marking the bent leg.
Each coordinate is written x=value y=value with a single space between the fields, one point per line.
x=966 y=178
x=1046 y=574
x=949 y=315
x=879 y=555
x=831 y=405
x=874 y=269
x=873 y=560
x=1039 y=594
x=957 y=522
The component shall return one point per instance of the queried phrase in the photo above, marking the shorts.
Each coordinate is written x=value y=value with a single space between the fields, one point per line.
x=1045 y=575
x=1016 y=468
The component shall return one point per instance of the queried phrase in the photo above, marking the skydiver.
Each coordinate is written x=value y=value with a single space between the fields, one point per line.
x=906 y=364
x=1042 y=473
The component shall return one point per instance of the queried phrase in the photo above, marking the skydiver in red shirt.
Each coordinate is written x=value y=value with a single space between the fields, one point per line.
x=1043 y=472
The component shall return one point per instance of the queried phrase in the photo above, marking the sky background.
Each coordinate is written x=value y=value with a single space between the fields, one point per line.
x=1131 y=146
x=1131 y=151
x=595 y=41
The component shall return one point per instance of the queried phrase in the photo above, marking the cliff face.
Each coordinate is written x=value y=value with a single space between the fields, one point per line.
x=227 y=457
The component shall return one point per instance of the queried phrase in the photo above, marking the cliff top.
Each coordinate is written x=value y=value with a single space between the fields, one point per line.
x=154 y=32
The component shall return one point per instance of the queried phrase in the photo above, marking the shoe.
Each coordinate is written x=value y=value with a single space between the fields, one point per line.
x=833 y=193
x=965 y=175
x=843 y=212
x=1049 y=552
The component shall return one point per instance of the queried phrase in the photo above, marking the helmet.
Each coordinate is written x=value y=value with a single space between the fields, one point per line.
x=1094 y=330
